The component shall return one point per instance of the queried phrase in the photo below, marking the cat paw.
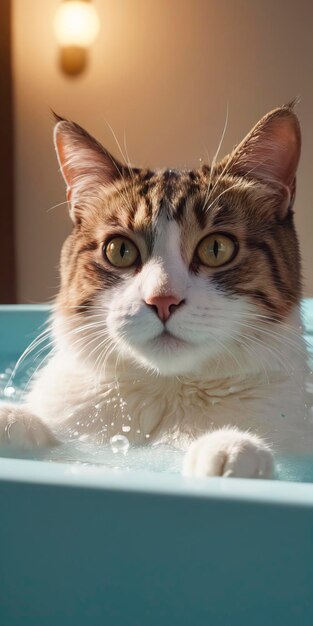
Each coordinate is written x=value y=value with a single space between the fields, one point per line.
x=22 y=429
x=229 y=452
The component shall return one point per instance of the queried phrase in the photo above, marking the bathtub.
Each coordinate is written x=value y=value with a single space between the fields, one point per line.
x=95 y=546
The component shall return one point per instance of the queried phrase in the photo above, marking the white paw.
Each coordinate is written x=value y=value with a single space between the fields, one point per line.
x=229 y=452
x=22 y=429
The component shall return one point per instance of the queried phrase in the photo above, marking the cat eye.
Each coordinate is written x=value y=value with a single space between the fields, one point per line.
x=121 y=252
x=217 y=249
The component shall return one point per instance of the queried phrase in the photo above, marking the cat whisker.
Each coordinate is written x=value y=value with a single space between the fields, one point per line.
x=236 y=185
x=37 y=341
x=214 y=160
x=293 y=344
x=270 y=349
x=57 y=205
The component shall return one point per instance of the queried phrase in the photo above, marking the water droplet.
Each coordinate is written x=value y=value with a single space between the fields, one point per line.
x=125 y=429
x=112 y=423
x=147 y=436
x=119 y=443
x=138 y=431
x=9 y=392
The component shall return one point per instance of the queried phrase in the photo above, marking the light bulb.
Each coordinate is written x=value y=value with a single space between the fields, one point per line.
x=76 y=24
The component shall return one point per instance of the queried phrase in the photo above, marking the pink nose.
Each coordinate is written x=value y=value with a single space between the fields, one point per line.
x=164 y=305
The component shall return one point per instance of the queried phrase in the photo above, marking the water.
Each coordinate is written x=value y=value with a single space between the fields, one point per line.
x=158 y=458
x=118 y=454
x=119 y=444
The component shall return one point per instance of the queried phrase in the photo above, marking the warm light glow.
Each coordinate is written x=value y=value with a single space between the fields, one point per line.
x=76 y=24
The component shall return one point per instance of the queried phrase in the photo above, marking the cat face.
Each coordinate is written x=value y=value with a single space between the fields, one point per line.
x=178 y=269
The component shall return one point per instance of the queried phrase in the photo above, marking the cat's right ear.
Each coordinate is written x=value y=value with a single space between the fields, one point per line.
x=84 y=163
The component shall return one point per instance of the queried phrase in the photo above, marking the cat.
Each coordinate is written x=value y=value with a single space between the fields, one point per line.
x=178 y=318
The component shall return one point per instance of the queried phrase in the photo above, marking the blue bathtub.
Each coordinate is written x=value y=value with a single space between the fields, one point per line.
x=89 y=546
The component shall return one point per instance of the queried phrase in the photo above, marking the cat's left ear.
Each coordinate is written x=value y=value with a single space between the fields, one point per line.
x=84 y=163
x=270 y=153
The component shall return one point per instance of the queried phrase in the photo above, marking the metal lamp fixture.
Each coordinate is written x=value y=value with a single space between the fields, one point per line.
x=76 y=27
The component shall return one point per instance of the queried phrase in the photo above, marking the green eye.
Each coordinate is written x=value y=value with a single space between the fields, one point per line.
x=216 y=250
x=121 y=252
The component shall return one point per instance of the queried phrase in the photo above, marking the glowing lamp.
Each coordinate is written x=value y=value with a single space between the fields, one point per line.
x=76 y=27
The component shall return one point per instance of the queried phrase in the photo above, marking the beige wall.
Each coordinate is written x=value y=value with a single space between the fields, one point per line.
x=163 y=73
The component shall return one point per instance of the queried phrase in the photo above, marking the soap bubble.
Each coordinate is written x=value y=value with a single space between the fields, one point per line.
x=125 y=429
x=119 y=443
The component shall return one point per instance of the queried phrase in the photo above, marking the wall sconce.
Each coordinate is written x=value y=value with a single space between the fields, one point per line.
x=76 y=27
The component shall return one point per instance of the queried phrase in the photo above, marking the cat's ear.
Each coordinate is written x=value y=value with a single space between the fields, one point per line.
x=84 y=163
x=270 y=153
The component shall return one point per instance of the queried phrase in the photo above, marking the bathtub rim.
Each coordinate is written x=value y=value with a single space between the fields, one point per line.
x=67 y=475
